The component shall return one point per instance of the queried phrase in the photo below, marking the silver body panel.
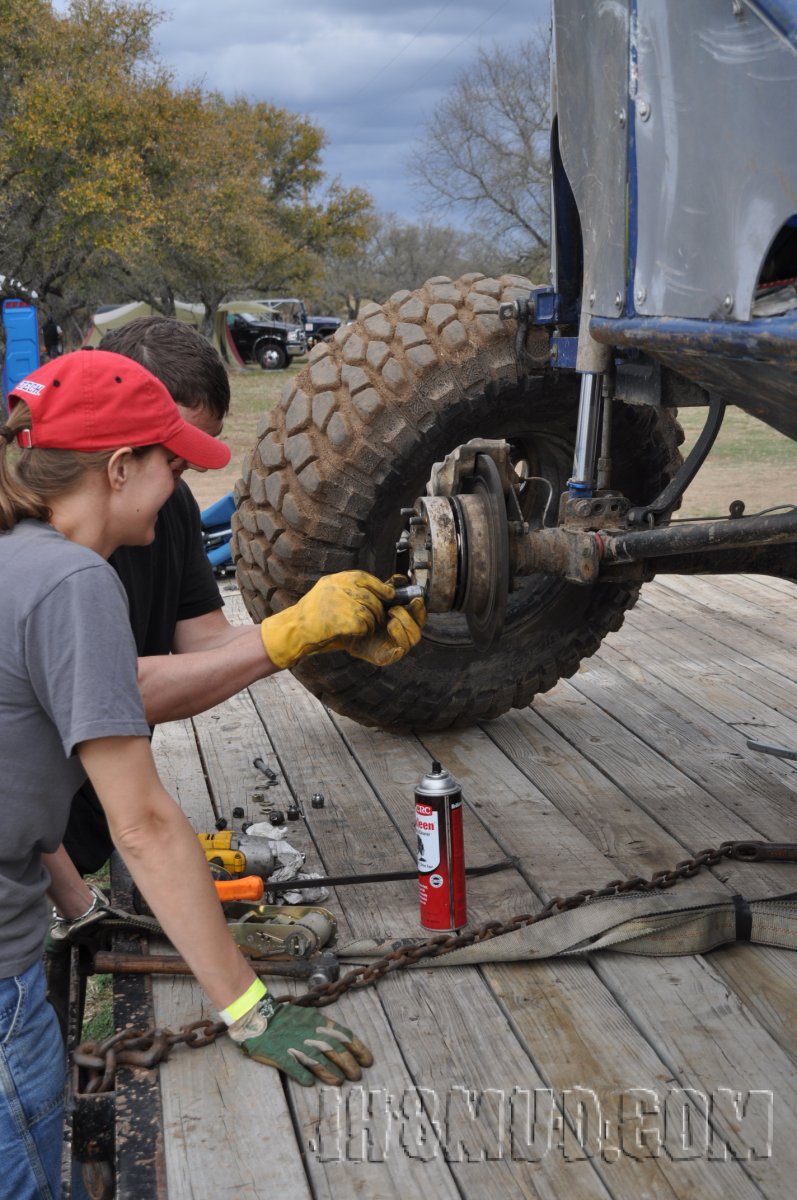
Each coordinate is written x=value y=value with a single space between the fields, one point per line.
x=716 y=155
x=691 y=203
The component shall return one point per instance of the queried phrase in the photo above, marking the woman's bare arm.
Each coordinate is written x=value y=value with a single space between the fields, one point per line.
x=166 y=861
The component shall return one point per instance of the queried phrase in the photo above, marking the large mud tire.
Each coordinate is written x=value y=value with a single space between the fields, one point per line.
x=353 y=440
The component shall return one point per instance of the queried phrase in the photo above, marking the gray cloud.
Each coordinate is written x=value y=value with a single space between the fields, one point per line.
x=369 y=73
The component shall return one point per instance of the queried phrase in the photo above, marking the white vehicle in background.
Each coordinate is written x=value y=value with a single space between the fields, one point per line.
x=293 y=310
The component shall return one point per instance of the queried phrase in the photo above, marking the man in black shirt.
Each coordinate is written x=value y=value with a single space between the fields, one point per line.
x=190 y=656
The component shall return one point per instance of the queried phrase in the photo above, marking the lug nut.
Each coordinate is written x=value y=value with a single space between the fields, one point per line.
x=317 y=800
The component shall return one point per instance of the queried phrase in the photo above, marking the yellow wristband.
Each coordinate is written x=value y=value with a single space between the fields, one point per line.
x=240 y=1007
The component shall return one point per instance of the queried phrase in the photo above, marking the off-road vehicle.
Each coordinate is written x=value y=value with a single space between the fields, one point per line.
x=551 y=411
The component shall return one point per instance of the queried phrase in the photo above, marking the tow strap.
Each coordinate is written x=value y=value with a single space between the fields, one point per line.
x=651 y=923
x=634 y=916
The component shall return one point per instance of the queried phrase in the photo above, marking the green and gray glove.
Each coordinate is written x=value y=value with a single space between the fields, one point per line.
x=301 y=1042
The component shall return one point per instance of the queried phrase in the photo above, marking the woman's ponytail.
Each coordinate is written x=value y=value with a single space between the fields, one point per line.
x=31 y=478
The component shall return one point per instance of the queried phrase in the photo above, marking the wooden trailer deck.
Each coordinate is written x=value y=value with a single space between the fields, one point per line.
x=614 y=1078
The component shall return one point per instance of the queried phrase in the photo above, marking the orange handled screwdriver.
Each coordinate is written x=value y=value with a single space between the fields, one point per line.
x=248 y=887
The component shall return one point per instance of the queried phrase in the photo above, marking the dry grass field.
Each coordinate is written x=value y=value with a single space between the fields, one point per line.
x=748 y=462
x=254 y=392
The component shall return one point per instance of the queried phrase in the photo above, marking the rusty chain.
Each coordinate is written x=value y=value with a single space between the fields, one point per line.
x=136 y=1048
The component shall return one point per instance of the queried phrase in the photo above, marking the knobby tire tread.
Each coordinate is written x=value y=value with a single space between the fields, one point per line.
x=352 y=440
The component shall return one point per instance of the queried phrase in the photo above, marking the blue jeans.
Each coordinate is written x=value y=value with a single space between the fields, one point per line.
x=32 y=1072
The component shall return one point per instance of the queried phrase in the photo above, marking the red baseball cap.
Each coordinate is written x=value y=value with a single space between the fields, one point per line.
x=96 y=400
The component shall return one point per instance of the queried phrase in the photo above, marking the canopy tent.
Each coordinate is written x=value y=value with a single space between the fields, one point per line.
x=112 y=318
x=194 y=314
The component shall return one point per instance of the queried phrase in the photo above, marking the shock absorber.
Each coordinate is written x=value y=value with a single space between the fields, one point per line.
x=582 y=482
x=592 y=360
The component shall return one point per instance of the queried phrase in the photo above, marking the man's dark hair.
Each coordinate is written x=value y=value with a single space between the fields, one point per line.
x=184 y=361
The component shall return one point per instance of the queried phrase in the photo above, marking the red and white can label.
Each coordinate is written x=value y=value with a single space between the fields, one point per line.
x=428 y=830
x=441 y=861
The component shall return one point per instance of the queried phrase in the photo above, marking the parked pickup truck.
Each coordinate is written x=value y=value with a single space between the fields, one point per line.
x=317 y=329
x=260 y=339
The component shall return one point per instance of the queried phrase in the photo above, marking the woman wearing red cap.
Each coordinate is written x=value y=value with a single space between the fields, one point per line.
x=85 y=465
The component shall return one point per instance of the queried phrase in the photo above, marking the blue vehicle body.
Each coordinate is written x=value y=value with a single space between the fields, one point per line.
x=216 y=533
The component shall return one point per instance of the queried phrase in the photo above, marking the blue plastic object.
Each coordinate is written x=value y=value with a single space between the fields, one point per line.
x=216 y=534
x=22 y=342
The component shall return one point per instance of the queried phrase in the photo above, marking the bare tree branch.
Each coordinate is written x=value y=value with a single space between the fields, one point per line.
x=485 y=152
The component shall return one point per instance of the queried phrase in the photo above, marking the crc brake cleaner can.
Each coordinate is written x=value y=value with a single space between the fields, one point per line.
x=441 y=853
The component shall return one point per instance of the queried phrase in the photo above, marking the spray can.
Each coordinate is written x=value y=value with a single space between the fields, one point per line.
x=441 y=853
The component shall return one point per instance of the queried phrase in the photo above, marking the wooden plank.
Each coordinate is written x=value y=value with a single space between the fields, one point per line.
x=439 y=1018
x=739 y=637
x=629 y=770
x=758 y=975
x=571 y=1025
x=756 y=595
x=721 y=595
x=350 y=830
x=698 y=745
x=216 y=1103
x=666 y=614
x=775 y=583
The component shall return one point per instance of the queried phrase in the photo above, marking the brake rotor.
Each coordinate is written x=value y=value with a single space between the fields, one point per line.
x=457 y=550
x=484 y=567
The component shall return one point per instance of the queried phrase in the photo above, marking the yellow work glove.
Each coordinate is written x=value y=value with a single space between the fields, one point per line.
x=338 y=610
x=391 y=641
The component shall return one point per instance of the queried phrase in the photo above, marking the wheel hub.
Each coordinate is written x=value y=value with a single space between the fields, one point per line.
x=457 y=549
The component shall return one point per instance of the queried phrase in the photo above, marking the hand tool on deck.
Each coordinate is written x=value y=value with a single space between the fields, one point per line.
x=767 y=748
x=297 y=931
x=325 y=968
x=245 y=887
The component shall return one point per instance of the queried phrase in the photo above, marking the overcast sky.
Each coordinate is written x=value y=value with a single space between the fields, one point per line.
x=369 y=72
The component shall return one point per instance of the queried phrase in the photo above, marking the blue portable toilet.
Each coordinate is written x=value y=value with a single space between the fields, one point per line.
x=22 y=343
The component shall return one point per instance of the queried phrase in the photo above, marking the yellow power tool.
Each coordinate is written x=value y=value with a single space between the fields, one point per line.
x=238 y=854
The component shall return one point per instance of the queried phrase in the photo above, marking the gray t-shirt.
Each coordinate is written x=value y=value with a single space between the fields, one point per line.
x=67 y=675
